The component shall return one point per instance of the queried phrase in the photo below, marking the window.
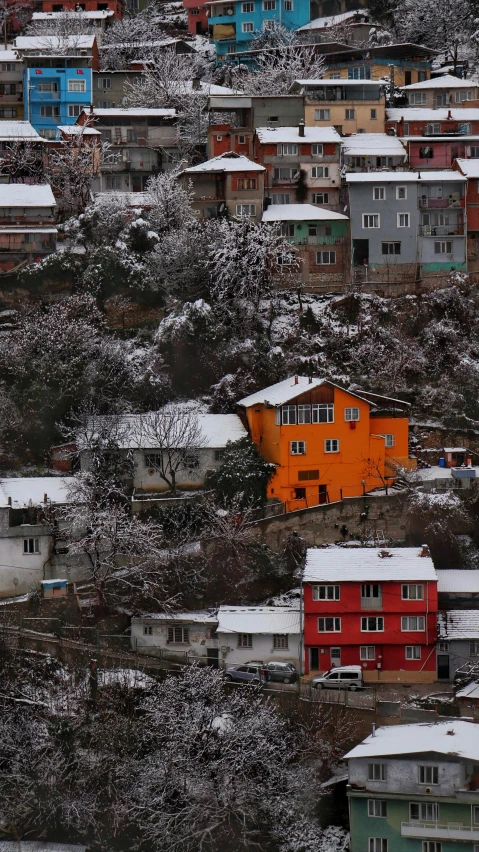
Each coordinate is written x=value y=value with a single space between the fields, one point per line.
x=287 y=229
x=241 y=139
x=473 y=649
x=443 y=646
x=391 y=248
x=153 y=460
x=304 y=475
x=351 y=414
x=331 y=445
x=379 y=193
x=246 y=183
x=246 y=210
x=361 y=72
x=245 y=640
x=372 y=624
x=426 y=152
x=74 y=110
x=377 y=808
x=269 y=5
x=376 y=771
x=219 y=455
x=191 y=460
x=77 y=85
x=10 y=113
x=320 y=198
x=297 y=448
x=425 y=811
x=349 y=114
x=300 y=493
x=443 y=247
x=325 y=593
x=286 y=173
x=406 y=129
x=46 y=87
x=401 y=193
x=414 y=623
x=322 y=114
x=247 y=27
x=374 y=114
x=247 y=7
x=280 y=641
x=434 y=129
x=413 y=652
x=462 y=96
x=378 y=844
x=329 y=625
x=320 y=171
x=31 y=545
x=417 y=98
x=231 y=48
x=371 y=591
x=113 y=182
x=179 y=635
x=389 y=440
x=272 y=119
x=288 y=5
x=147 y=631
x=322 y=412
x=280 y=198
x=474 y=149
x=105 y=105
x=367 y=652
x=475 y=814
x=431 y=846
x=403 y=220
x=47 y=132
x=413 y=592
x=9 y=66
x=370 y=220
x=288 y=415
x=428 y=774
x=287 y=150
x=50 y=111
x=304 y=414
x=103 y=83
x=317 y=150
x=325 y=258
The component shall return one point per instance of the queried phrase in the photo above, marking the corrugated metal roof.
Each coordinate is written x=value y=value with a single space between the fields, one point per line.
x=258 y=619
x=291 y=134
x=226 y=163
x=469 y=691
x=193 y=617
x=343 y=564
x=458 y=580
x=18 y=129
x=373 y=144
x=30 y=490
x=27 y=195
x=301 y=213
x=455 y=737
x=282 y=392
x=458 y=624
x=38 y=846
x=447 y=81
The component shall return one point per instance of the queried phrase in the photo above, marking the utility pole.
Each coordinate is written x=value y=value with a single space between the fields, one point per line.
x=391 y=92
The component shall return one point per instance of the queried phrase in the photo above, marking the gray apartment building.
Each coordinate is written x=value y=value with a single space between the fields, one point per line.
x=407 y=227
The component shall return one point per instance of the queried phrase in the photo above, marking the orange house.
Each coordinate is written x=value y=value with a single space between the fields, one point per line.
x=327 y=443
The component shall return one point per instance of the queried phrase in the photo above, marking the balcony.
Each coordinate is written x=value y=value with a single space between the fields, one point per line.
x=372 y=603
x=440 y=203
x=321 y=240
x=435 y=831
x=452 y=230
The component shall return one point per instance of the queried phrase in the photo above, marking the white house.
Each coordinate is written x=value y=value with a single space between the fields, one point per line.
x=261 y=633
x=184 y=636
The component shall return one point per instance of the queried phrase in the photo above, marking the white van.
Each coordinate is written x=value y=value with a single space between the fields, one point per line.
x=342 y=677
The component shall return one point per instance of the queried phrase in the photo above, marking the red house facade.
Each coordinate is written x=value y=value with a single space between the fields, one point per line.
x=197 y=17
x=373 y=608
x=417 y=121
x=470 y=168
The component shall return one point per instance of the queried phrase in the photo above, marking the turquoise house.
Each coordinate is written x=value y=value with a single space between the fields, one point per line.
x=234 y=25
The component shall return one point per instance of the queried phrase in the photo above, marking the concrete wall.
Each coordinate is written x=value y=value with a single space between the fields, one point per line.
x=262 y=649
x=362 y=201
x=20 y=572
x=402 y=776
x=200 y=638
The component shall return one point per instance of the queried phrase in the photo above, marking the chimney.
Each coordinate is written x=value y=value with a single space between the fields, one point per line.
x=373 y=729
x=301 y=128
x=44 y=498
x=425 y=550
x=449 y=116
x=9 y=501
x=196 y=84
x=296 y=380
x=310 y=380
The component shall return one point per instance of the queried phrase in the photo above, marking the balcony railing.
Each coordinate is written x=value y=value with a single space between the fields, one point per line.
x=440 y=203
x=321 y=240
x=434 y=830
x=372 y=603
x=453 y=230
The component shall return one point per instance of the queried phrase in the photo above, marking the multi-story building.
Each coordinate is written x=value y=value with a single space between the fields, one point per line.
x=366 y=152
x=117 y=7
x=100 y=20
x=27 y=224
x=327 y=443
x=470 y=169
x=57 y=79
x=458 y=641
x=322 y=244
x=348 y=28
x=302 y=164
x=230 y=184
x=404 y=63
x=375 y=609
x=142 y=142
x=440 y=92
x=243 y=114
x=197 y=16
x=22 y=152
x=11 y=85
x=439 y=152
x=417 y=121
x=407 y=226
x=414 y=788
x=233 y=25
x=351 y=106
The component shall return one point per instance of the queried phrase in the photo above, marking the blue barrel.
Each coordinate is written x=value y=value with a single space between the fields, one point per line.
x=442 y=462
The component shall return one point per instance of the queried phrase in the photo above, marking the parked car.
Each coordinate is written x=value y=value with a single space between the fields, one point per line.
x=248 y=673
x=342 y=677
x=465 y=674
x=278 y=672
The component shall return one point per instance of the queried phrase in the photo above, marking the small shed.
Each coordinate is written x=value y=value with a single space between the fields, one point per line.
x=54 y=588
x=468 y=700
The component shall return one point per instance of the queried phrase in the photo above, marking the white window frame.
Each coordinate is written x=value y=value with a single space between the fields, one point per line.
x=284 y=195
x=326 y=258
x=422 y=811
x=365 y=619
x=289 y=5
x=412 y=592
x=375 y=217
x=326 y=592
x=317 y=149
x=332 y=445
x=377 y=769
x=247 y=8
x=377 y=844
x=326 y=117
x=287 y=149
x=328 y=407
x=389 y=440
x=407 y=220
x=400 y=189
x=244 y=640
x=367 y=652
x=320 y=172
x=269 y=5
x=379 y=193
x=463 y=95
x=336 y=627
x=432 y=846
x=405 y=621
x=473 y=649
x=247 y=27
x=351 y=415
x=176 y=630
x=324 y=197
x=416 y=98
x=350 y=117
x=72 y=110
x=413 y=652
x=147 y=631
x=380 y=805
x=31 y=546
x=246 y=210
x=103 y=83
x=289 y=415
x=426 y=769
x=297 y=448
x=445 y=247
x=443 y=646
x=77 y=86
x=281 y=641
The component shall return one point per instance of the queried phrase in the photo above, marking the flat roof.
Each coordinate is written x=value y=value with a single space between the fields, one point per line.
x=229 y=162
x=345 y=564
x=455 y=738
x=30 y=490
x=292 y=134
x=19 y=130
x=55 y=16
x=26 y=195
x=131 y=111
x=300 y=213
x=374 y=145
x=423 y=114
x=458 y=580
x=434 y=176
x=447 y=81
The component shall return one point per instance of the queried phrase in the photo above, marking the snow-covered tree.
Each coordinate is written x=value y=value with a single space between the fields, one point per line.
x=70 y=168
x=170 y=204
x=23 y=160
x=243 y=475
x=69 y=22
x=282 y=58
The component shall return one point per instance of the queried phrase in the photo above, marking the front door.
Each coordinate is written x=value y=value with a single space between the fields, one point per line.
x=323 y=494
x=335 y=657
x=443 y=672
x=212 y=655
x=314 y=659
x=360 y=252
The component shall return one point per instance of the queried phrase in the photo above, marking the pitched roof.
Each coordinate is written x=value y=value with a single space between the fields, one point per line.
x=146 y=111
x=469 y=168
x=433 y=176
x=469 y=691
x=424 y=114
x=258 y=619
x=289 y=388
x=90 y=16
x=458 y=624
x=31 y=490
x=11 y=130
x=9 y=56
x=447 y=81
x=345 y=564
x=194 y=617
x=267 y=135
x=77 y=129
x=229 y=162
x=458 y=580
x=38 y=846
x=54 y=42
x=300 y=213
x=27 y=195
x=373 y=144
x=457 y=738
x=332 y=20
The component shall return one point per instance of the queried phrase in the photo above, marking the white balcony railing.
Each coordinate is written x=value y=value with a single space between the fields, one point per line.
x=437 y=831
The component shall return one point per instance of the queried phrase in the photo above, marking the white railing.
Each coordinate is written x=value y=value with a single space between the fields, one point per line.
x=435 y=830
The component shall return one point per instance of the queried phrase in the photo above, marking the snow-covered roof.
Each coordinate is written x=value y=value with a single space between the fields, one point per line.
x=18 y=130
x=458 y=624
x=448 y=81
x=193 y=617
x=423 y=114
x=469 y=691
x=229 y=162
x=451 y=140
x=38 y=846
x=9 y=56
x=331 y=20
x=258 y=619
x=77 y=130
x=31 y=490
x=291 y=134
x=469 y=168
x=27 y=195
x=373 y=144
x=33 y=229
x=91 y=16
x=320 y=82
x=137 y=431
x=54 y=42
x=428 y=474
x=366 y=563
x=282 y=392
x=132 y=111
x=382 y=177
x=458 y=580
x=438 y=175
x=456 y=738
x=300 y=213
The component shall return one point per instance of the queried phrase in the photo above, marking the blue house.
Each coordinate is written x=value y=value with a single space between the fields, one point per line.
x=234 y=25
x=57 y=79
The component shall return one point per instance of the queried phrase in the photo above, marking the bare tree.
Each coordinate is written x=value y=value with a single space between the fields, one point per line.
x=64 y=25
x=23 y=160
x=71 y=166
x=172 y=437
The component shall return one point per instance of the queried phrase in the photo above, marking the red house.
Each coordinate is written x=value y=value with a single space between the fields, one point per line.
x=470 y=168
x=420 y=121
x=116 y=6
x=373 y=608
x=197 y=17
